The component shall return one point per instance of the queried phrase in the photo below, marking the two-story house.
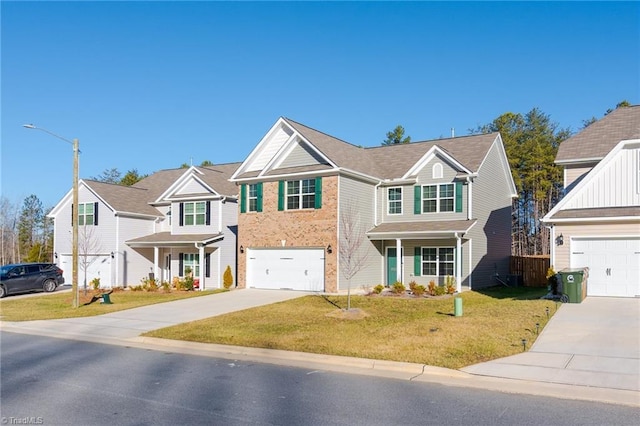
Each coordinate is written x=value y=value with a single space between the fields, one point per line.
x=170 y=223
x=597 y=223
x=425 y=210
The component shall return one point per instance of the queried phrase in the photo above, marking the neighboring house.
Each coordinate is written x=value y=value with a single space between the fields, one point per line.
x=166 y=224
x=427 y=210
x=597 y=223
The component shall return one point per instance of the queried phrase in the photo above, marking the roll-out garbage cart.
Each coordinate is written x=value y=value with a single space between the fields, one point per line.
x=574 y=283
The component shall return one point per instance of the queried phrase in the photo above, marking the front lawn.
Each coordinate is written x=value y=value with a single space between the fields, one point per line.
x=58 y=305
x=493 y=324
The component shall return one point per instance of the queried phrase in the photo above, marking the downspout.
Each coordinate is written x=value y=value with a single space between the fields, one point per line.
x=552 y=245
x=458 y=262
x=469 y=198
x=156 y=253
x=222 y=201
x=375 y=203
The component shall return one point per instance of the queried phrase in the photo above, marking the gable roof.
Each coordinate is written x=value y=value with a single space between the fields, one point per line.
x=381 y=162
x=595 y=141
x=123 y=198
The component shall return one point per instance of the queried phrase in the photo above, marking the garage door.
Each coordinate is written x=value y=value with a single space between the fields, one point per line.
x=96 y=266
x=296 y=269
x=614 y=265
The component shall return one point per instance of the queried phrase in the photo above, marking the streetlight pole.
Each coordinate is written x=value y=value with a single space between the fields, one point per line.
x=74 y=211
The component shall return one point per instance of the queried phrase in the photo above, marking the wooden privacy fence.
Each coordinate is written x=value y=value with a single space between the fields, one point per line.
x=532 y=269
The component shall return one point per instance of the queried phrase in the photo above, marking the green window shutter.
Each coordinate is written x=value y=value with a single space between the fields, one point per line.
x=417 y=261
x=417 y=199
x=318 y=198
x=280 y=195
x=259 y=200
x=458 y=197
x=243 y=198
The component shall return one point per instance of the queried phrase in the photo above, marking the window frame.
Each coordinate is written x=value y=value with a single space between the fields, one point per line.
x=83 y=215
x=438 y=198
x=391 y=202
x=252 y=197
x=298 y=198
x=191 y=260
x=195 y=214
x=438 y=261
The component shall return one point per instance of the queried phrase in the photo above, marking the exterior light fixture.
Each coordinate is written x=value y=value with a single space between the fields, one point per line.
x=241 y=249
x=559 y=240
x=329 y=249
x=113 y=255
x=55 y=254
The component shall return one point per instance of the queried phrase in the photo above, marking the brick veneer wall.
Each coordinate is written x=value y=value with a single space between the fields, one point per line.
x=315 y=228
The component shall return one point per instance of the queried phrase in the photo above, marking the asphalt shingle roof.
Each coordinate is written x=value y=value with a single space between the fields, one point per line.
x=597 y=139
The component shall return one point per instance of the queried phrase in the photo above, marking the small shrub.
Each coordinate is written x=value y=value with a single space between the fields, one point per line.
x=450 y=284
x=177 y=283
x=398 y=288
x=188 y=283
x=149 y=284
x=418 y=290
x=136 y=288
x=432 y=288
x=227 y=278
x=95 y=283
x=166 y=287
x=378 y=289
x=412 y=285
x=440 y=291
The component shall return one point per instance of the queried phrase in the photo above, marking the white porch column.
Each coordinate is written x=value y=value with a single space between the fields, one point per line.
x=398 y=260
x=156 y=262
x=201 y=261
x=458 y=263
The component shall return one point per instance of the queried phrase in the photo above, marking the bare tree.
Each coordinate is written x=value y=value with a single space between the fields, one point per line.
x=89 y=246
x=350 y=251
x=8 y=231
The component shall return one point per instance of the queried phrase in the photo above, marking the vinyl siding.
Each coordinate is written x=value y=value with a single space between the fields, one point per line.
x=491 y=235
x=132 y=265
x=212 y=228
x=568 y=231
x=359 y=194
x=302 y=155
x=271 y=147
x=228 y=246
x=193 y=187
x=573 y=173
x=615 y=185
x=408 y=261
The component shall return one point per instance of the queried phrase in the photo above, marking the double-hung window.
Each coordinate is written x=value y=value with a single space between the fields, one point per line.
x=253 y=197
x=86 y=214
x=394 y=199
x=301 y=194
x=195 y=213
x=438 y=198
x=436 y=261
x=191 y=262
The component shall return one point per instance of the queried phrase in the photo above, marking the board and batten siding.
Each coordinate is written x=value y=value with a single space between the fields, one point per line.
x=491 y=235
x=359 y=195
x=611 y=186
x=302 y=155
x=586 y=230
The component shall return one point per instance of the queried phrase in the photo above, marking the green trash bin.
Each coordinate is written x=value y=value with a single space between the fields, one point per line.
x=572 y=284
x=106 y=299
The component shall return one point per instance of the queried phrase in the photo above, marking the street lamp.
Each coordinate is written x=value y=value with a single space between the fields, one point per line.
x=74 y=211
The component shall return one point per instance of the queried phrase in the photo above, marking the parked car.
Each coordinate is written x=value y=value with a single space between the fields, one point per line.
x=23 y=277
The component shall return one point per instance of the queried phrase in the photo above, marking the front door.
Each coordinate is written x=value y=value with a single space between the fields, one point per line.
x=392 y=265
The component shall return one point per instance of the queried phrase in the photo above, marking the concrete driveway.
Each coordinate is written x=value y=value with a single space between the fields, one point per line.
x=595 y=343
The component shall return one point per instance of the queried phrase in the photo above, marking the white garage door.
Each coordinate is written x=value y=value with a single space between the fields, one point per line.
x=296 y=269
x=614 y=265
x=96 y=266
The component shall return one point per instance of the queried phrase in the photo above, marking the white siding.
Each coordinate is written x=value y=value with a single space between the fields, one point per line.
x=212 y=228
x=193 y=187
x=613 y=186
x=269 y=150
x=360 y=195
x=226 y=254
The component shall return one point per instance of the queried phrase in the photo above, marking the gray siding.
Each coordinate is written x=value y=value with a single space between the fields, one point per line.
x=491 y=236
x=226 y=255
x=360 y=195
x=132 y=265
x=302 y=155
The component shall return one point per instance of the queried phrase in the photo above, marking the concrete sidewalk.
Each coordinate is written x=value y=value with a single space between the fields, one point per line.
x=588 y=351
x=595 y=343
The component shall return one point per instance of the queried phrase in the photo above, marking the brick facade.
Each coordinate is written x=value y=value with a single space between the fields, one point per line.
x=313 y=228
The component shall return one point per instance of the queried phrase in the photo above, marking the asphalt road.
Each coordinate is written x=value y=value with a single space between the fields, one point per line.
x=55 y=381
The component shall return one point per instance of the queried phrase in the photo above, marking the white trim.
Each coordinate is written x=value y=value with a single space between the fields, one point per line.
x=430 y=155
x=594 y=219
x=584 y=182
x=395 y=201
x=399 y=260
x=180 y=183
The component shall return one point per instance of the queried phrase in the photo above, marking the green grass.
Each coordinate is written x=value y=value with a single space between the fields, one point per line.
x=59 y=305
x=493 y=324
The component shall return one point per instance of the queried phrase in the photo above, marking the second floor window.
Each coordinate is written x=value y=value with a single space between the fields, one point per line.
x=253 y=197
x=87 y=214
x=394 y=197
x=438 y=198
x=301 y=194
x=195 y=213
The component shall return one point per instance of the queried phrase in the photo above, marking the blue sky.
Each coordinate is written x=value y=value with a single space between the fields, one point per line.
x=152 y=85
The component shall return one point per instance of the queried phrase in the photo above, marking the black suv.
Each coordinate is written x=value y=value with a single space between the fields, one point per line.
x=23 y=277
